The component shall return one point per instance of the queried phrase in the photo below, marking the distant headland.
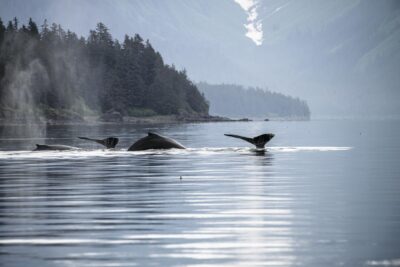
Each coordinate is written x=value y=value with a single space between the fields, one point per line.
x=51 y=75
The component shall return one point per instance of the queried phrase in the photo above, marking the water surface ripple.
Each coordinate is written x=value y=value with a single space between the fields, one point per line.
x=314 y=198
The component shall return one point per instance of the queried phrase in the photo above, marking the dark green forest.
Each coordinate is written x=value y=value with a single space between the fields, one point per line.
x=236 y=101
x=46 y=71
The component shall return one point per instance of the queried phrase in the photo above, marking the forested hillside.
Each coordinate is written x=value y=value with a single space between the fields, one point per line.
x=46 y=71
x=236 y=101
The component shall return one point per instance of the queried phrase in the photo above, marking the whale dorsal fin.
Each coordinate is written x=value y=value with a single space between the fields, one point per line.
x=153 y=134
x=40 y=147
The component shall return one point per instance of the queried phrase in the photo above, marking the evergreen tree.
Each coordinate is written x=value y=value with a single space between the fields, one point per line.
x=33 y=29
x=10 y=26
x=2 y=31
x=61 y=71
x=45 y=29
x=15 y=24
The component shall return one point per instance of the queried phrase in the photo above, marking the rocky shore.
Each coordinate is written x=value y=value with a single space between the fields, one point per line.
x=114 y=118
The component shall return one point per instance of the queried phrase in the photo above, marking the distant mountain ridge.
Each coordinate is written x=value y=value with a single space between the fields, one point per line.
x=238 y=102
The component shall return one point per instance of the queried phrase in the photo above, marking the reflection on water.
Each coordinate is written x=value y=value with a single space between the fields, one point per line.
x=310 y=199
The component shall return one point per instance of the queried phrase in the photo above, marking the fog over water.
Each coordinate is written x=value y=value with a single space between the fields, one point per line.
x=343 y=57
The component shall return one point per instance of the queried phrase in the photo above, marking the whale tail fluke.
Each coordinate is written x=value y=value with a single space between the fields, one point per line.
x=109 y=142
x=258 y=141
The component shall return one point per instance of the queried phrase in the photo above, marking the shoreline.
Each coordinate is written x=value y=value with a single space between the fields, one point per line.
x=95 y=120
x=159 y=119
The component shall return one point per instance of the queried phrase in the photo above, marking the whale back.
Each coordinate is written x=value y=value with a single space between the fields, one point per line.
x=53 y=147
x=155 y=141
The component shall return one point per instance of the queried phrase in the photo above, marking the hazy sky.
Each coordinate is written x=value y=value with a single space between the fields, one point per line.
x=342 y=56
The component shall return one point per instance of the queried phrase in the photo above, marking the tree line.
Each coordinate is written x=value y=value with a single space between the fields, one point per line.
x=47 y=68
x=236 y=101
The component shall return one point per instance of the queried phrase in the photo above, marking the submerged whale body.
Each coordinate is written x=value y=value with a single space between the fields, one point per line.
x=54 y=147
x=155 y=141
x=258 y=141
x=109 y=142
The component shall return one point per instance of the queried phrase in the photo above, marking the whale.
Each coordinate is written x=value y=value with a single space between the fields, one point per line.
x=259 y=141
x=109 y=142
x=151 y=141
x=54 y=147
x=155 y=141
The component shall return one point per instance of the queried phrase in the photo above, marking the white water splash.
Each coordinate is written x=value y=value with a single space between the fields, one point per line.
x=254 y=24
x=395 y=262
x=104 y=153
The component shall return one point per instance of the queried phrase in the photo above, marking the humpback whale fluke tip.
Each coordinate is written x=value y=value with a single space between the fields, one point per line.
x=152 y=134
x=258 y=141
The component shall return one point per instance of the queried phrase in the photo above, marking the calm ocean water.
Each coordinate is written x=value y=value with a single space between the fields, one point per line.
x=325 y=193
